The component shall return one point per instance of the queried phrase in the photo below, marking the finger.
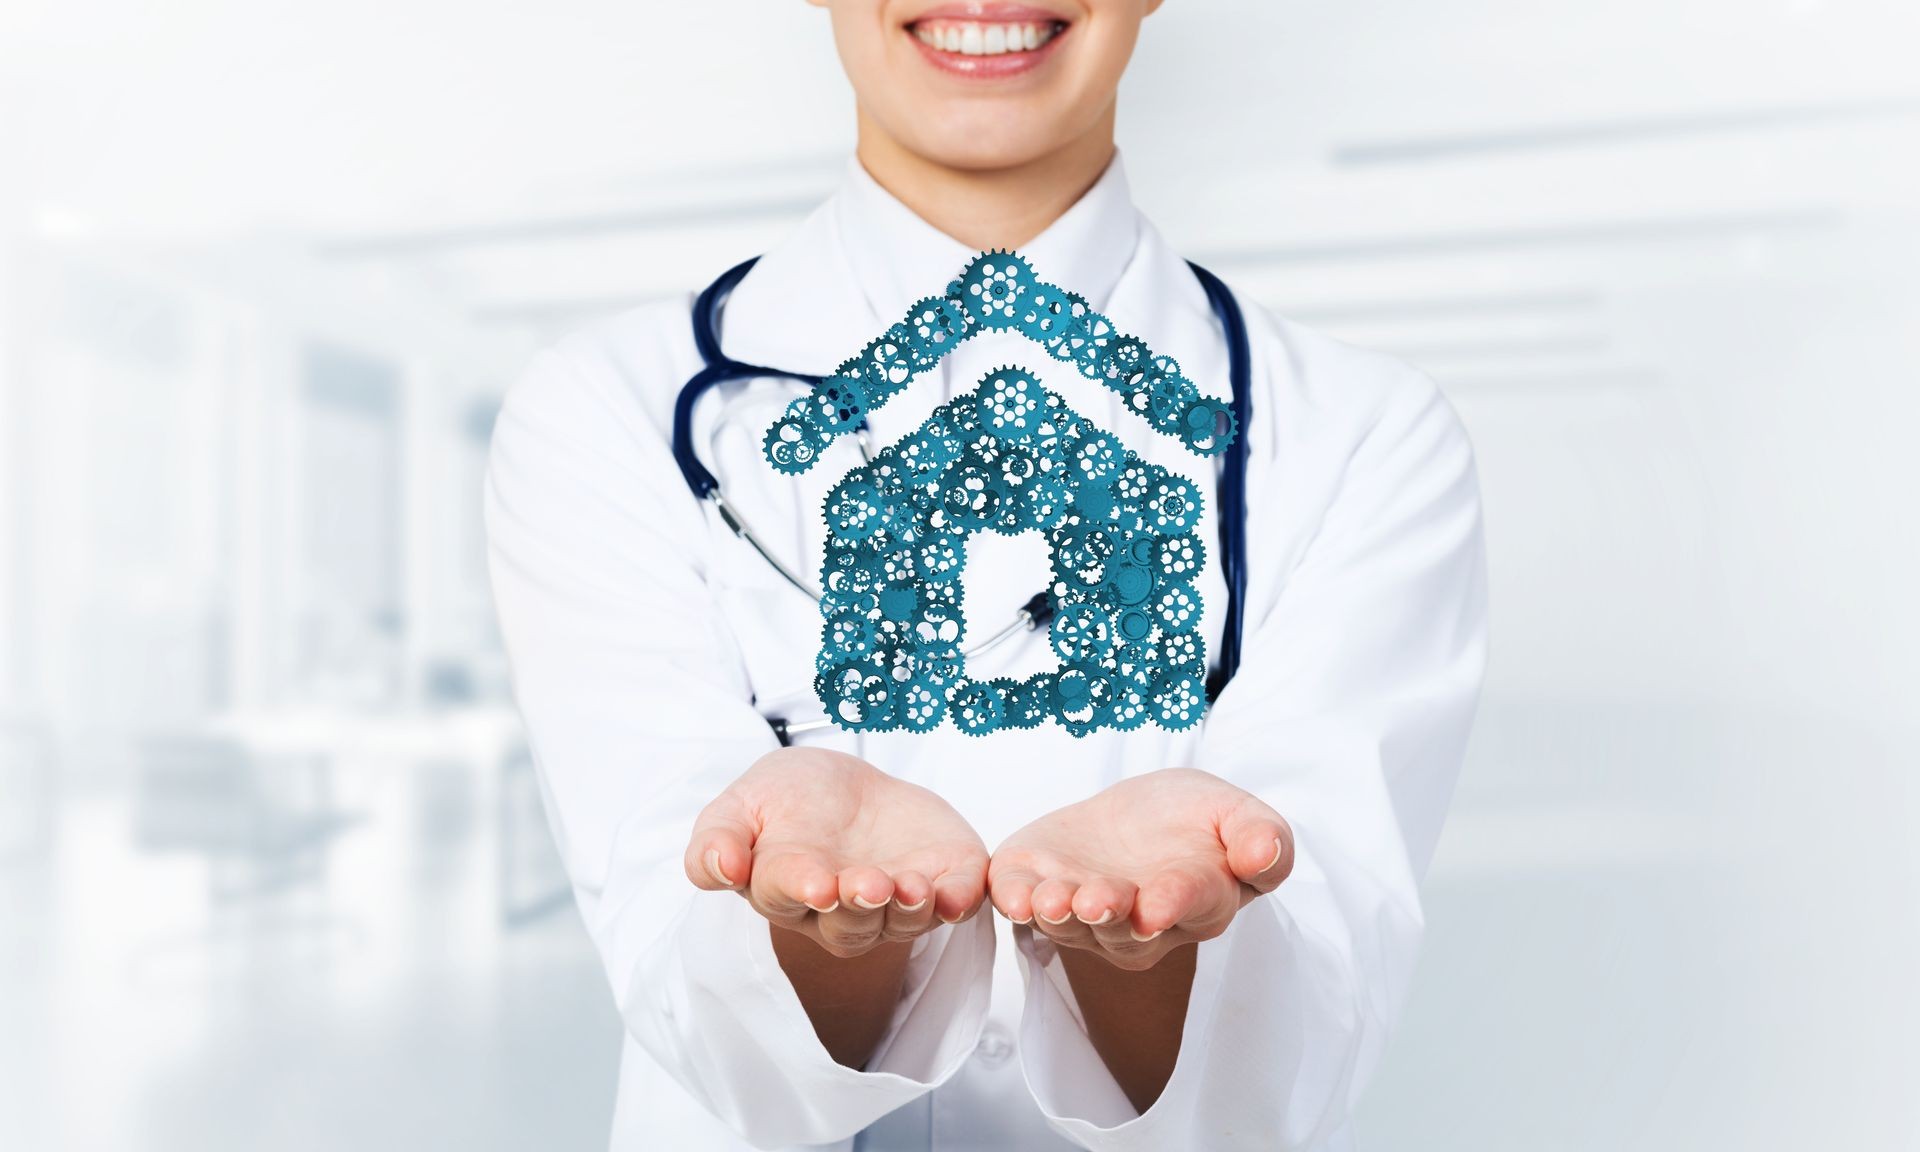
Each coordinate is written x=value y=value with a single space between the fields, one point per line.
x=719 y=854
x=1013 y=894
x=1053 y=912
x=1169 y=898
x=958 y=894
x=785 y=887
x=1259 y=846
x=1104 y=904
x=911 y=910
x=866 y=888
x=1053 y=900
x=850 y=930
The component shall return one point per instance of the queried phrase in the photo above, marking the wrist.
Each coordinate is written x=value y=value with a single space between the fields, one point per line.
x=1135 y=1019
x=848 y=999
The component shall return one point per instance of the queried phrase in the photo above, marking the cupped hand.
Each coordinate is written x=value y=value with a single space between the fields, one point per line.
x=827 y=845
x=1149 y=864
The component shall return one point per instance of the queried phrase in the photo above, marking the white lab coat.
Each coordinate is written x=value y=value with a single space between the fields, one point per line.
x=646 y=642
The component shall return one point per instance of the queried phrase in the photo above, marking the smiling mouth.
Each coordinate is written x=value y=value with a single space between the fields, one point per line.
x=998 y=45
x=980 y=38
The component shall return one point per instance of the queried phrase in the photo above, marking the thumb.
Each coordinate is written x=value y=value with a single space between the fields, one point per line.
x=1259 y=846
x=719 y=854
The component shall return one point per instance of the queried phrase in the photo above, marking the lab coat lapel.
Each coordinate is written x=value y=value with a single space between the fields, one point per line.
x=800 y=309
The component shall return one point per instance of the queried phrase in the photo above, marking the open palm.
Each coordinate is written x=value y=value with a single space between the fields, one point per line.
x=1153 y=862
x=828 y=845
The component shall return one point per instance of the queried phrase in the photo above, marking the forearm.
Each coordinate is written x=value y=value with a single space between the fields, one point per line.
x=850 y=1001
x=1134 y=1019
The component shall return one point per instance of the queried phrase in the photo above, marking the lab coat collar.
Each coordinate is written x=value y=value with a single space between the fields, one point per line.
x=860 y=260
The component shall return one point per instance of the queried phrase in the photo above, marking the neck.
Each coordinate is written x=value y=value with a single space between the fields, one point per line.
x=988 y=207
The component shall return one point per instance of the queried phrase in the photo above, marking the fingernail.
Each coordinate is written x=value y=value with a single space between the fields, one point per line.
x=913 y=907
x=861 y=901
x=1143 y=939
x=827 y=909
x=1104 y=917
x=714 y=870
x=1062 y=919
x=1028 y=920
x=1279 y=850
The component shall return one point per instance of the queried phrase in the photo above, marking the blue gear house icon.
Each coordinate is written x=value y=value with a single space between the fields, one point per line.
x=1009 y=456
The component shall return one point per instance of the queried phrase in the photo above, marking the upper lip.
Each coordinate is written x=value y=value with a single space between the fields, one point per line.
x=990 y=13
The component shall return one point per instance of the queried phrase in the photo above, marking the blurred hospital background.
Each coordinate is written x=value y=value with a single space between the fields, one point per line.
x=273 y=869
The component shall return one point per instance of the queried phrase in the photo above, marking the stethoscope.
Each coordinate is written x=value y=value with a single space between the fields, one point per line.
x=1038 y=610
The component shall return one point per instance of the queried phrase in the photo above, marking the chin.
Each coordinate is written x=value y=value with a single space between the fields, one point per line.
x=981 y=144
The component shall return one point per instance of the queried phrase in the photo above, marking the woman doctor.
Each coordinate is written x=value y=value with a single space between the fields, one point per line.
x=1141 y=940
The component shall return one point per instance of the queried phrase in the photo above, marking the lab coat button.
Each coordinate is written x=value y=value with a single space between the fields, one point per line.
x=994 y=1047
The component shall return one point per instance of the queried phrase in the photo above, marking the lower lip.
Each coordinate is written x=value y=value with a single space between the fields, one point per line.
x=989 y=67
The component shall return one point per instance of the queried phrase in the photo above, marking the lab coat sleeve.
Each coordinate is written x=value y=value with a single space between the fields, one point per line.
x=1349 y=715
x=638 y=713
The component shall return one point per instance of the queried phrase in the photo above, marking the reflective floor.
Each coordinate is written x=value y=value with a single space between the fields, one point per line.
x=386 y=991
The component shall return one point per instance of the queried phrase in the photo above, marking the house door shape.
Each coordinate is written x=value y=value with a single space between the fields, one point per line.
x=1009 y=456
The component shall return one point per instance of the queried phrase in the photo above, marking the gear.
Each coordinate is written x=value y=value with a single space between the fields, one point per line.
x=972 y=494
x=1026 y=704
x=1093 y=502
x=1176 y=649
x=1080 y=632
x=1174 y=505
x=937 y=325
x=1179 y=699
x=977 y=708
x=1083 y=693
x=1043 y=313
x=857 y=695
x=1207 y=425
x=839 y=404
x=992 y=287
x=1047 y=500
x=1123 y=364
x=1133 y=626
x=1167 y=396
x=851 y=634
x=924 y=455
x=1009 y=403
x=1081 y=555
x=1180 y=558
x=939 y=559
x=1177 y=608
x=1096 y=332
x=855 y=508
x=1097 y=455
x=1066 y=325
x=793 y=444
x=890 y=362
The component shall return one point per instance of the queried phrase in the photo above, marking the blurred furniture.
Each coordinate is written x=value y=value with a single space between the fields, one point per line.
x=263 y=823
x=490 y=741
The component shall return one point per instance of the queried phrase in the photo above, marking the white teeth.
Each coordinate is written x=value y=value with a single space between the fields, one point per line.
x=974 y=39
